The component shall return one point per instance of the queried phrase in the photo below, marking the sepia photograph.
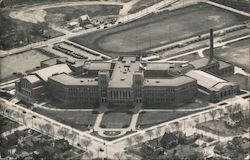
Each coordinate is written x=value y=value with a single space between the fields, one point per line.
x=124 y=79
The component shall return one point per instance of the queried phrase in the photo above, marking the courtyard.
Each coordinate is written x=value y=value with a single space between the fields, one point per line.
x=116 y=119
x=80 y=120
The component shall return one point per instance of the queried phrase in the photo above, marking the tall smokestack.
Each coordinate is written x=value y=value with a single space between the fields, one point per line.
x=211 y=56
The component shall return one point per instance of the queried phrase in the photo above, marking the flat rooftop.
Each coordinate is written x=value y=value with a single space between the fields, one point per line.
x=122 y=76
x=45 y=73
x=66 y=79
x=177 y=81
x=204 y=79
x=199 y=63
x=98 y=66
x=157 y=66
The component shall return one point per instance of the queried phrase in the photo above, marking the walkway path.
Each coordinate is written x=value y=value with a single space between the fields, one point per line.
x=228 y=8
x=217 y=44
x=126 y=7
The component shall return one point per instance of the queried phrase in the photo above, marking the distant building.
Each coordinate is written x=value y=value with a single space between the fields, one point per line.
x=234 y=119
x=73 y=25
x=84 y=20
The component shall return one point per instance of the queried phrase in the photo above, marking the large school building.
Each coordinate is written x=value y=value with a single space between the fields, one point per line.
x=124 y=81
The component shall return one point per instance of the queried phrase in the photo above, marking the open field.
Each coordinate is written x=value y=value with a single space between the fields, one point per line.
x=243 y=5
x=236 y=53
x=61 y=15
x=148 y=119
x=116 y=120
x=76 y=119
x=20 y=63
x=142 y=4
x=159 y=29
x=15 y=33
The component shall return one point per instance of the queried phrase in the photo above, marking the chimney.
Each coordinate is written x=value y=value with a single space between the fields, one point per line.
x=211 y=55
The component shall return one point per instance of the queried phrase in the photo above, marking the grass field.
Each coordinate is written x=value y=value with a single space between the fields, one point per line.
x=116 y=120
x=148 y=119
x=15 y=33
x=20 y=63
x=61 y=15
x=159 y=29
x=236 y=53
x=76 y=119
x=142 y=4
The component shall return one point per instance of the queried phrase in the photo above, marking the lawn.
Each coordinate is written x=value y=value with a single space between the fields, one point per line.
x=76 y=119
x=156 y=29
x=54 y=103
x=27 y=60
x=116 y=119
x=61 y=15
x=219 y=127
x=236 y=53
x=142 y=4
x=148 y=119
x=198 y=103
x=190 y=57
x=15 y=33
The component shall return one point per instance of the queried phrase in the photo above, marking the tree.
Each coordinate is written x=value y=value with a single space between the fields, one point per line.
x=158 y=132
x=118 y=156
x=212 y=114
x=167 y=129
x=129 y=142
x=221 y=112
x=196 y=121
x=138 y=139
x=205 y=118
x=237 y=108
x=90 y=154
x=177 y=125
x=63 y=132
x=86 y=143
x=229 y=109
x=48 y=128
x=150 y=133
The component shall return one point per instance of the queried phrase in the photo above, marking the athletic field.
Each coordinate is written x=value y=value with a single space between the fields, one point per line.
x=159 y=28
x=236 y=53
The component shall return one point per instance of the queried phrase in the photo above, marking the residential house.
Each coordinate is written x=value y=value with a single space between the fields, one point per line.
x=234 y=119
x=169 y=140
x=220 y=149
